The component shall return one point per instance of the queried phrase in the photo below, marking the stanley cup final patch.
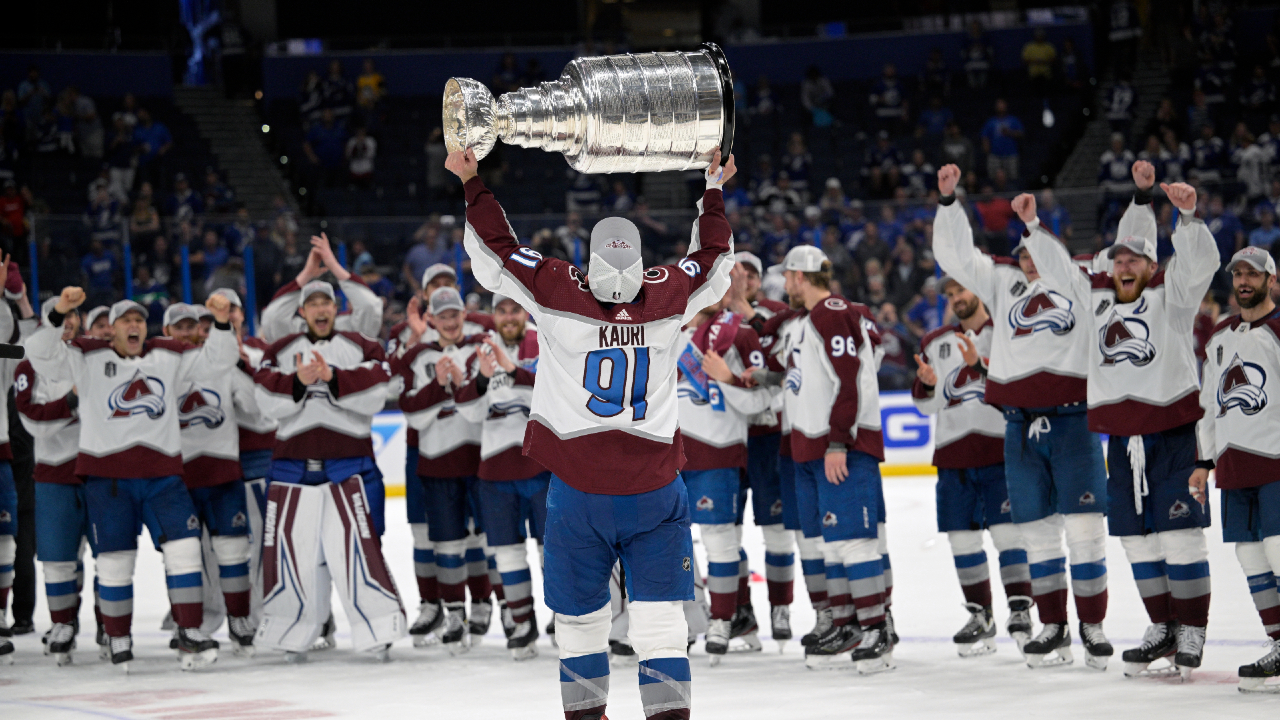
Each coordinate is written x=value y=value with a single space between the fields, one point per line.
x=687 y=565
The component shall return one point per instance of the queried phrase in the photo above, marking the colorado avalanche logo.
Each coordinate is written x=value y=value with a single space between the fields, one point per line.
x=201 y=406
x=705 y=503
x=1241 y=386
x=141 y=394
x=1125 y=339
x=964 y=383
x=1045 y=310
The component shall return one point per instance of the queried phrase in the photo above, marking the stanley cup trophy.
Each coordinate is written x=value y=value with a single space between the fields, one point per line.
x=621 y=113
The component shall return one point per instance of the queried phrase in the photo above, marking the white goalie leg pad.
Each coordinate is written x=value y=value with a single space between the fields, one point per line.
x=253 y=489
x=1271 y=546
x=658 y=630
x=1086 y=537
x=360 y=573
x=213 y=605
x=295 y=580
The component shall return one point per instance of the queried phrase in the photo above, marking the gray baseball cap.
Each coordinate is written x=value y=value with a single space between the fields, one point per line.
x=94 y=314
x=202 y=312
x=1136 y=245
x=446 y=298
x=436 y=270
x=805 y=258
x=232 y=296
x=749 y=258
x=316 y=287
x=1259 y=258
x=616 y=241
x=179 y=311
x=119 y=309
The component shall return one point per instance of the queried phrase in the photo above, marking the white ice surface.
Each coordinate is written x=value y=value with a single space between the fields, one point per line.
x=930 y=680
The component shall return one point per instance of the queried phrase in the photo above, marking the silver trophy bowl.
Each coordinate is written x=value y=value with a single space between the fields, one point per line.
x=620 y=113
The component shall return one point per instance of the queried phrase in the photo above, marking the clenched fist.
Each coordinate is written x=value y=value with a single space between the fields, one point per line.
x=462 y=163
x=1025 y=206
x=220 y=306
x=1182 y=195
x=71 y=298
x=948 y=178
x=1144 y=175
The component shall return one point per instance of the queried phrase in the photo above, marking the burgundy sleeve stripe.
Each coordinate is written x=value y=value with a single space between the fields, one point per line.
x=357 y=380
x=275 y=382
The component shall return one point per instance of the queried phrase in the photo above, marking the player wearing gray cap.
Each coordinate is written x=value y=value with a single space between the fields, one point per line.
x=282 y=317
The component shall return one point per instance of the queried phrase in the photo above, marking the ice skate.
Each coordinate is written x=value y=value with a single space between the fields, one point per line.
x=978 y=636
x=718 y=640
x=195 y=649
x=455 y=630
x=430 y=618
x=121 y=649
x=1160 y=641
x=744 y=631
x=507 y=620
x=780 y=619
x=875 y=653
x=1190 y=650
x=1019 y=625
x=523 y=642
x=382 y=653
x=820 y=628
x=1054 y=638
x=61 y=641
x=44 y=639
x=829 y=653
x=1253 y=678
x=481 y=618
x=621 y=654
x=241 y=631
x=104 y=643
x=295 y=658
x=892 y=628
x=5 y=630
x=326 y=640
x=6 y=651
x=1097 y=649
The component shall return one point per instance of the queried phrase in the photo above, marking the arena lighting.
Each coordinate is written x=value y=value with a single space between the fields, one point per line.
x=266 y=128
x=257 y=95
x=302 y=191
x=284 y=159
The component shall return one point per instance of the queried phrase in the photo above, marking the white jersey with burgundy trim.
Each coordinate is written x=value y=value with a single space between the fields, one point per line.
x=129 y=409
x=23 y=330
x=210 y=434
x=715 y=429
x=1143 y=374
x=969 y=433
x=503 y=412
x=605 y=412
x=257 y=430
x=1039 y=357
x=280 y=317
x=448 y=439
x=1241 y=418
x=323 y=420
x=52 y=421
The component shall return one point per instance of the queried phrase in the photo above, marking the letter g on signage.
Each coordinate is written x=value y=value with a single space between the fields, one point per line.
x=904 y=427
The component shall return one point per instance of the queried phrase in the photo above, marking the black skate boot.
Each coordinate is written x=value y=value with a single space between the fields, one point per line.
x=820 y=629
x=1253 y=678
x=326 y=640
x=103 y=642
x=44 y=639
x=1053 y=638
x=780 y=619
x=978 y=636
x=744 y=627
x=6 y=651
x=523 y=641
x=121 y=651
x=875 y=653
x=829 y=652
x=1097 y=649
x=481 y=618
x=718 y=632
x=1019 y=625
x=1190 y=650
x=5 y=630
x=504 y=616
x=892 y=627
x=622 y=654
x=454 y=637
x=1159 y=641
x=241 y=631
x=195 y=649
x=423 y=630
x=61 y=641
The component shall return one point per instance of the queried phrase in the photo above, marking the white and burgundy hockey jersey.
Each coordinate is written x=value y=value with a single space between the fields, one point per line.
x=1241 y=423
x=398 y=342
x=210 y=434
x=968 y=433
x=323 y=421
x=1039 y=357
x=770 y=421
x=49 y=412
x=1143 y=374
x=715 y=429
x=503 y=412
x=605 y=415
x=129 y=406
x=257 y=430
x=280 y=317
x=16 y=331
x=448 y=440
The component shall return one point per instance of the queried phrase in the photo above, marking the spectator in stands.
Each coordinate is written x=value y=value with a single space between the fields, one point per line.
x=237 y=234
x=371 y=87
x=294 y=256
x=833 y=202
x=1226 y=228
x=1114 y=168
x=816 y=95
x=360 y=153
x=735 y=196
x=905 y=278
x=1166 y=118
x=881 y=167
x=890 y=227
x=184 y=203
x=928 y=313
x=936 y=80
x=128 y=111
x=841 y=261
x=268 y=261
x=1198 y=112
x=875 y=294
x=764 y=105
x=957 y=149
x=1072 y=71
x=889 y=100
x=918 y=175
x=211 y=255
x=933 y=119
x=1252 y=165
x=1266 y=234
x=122 y=158
x=1000 y=136
x=796 y=162
x=781 y=197
x=1270 y=142
x=218 y=196
x=620 y=200
x=1126 y=28
x=89 y=134
x=13 y=123
x=64 y=113
x=872 y=246
x=1122 y=100
x=377 y=282
x=653 y=232
x=34 y=96
x=229 y=275
x=574 y=237
x=45 y=136
x=14 y=203
x=1178 y=160
x=154 y=144
x=993 y=214
x=977 y=56
x=429 y=249
x=144 y=221
x=57 y=266
x=1053 y=216
x=103 y=182
x=152 y=294
x=1208 y=157
x=545 y=242
x=9 y=152
x=102 y=218
x=1155 y=154
x=99 y=270
x=326 y=146
x=336 y=92
x=1038 y=56
x=812 y=228
x=776 y=239
x=895 y=368
x=311 y=99
x=584 y=193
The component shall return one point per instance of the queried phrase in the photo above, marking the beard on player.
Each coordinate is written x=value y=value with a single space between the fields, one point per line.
x=965 y=307
x=1247 y=294
x=1129 y=286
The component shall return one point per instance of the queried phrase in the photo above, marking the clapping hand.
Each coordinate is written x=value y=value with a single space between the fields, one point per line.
x=968 y=350
x=715 y=367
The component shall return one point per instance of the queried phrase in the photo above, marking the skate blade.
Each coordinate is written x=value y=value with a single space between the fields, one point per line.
x=1144 y=670
x=243 y=651
x=1059 y=657
x=746 y=643
x=986 y=646
x=782 y=646
x=295 y=658
x=475 y=639
x=104 y=652
x=884 y=663
x=1184 y=673
x=382 y=655
x=843 y=661
x=195 y=661
x=715 y=660
x=425 y=641
x=527 y=652
x=325 y=643
x=62 y=659
x=124 y=666
x=457 y=648
x=1021 y=639
x=1258 y=685
x=1096 y=662
x=6 y=659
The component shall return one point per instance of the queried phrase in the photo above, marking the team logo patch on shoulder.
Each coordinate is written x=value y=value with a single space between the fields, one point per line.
x=1242 y=386
x=1124 y=339
x=687 y=565
x=1179 y=509
x=944 y=352
x=1087 y=498
x=830 y=519
x=835 y=304
x=109 y=369
x=1018 y=288
x=1102 y=307
x=1219 y=354
x=705 y=503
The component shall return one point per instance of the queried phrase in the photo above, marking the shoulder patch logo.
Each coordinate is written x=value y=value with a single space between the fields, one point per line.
x=109 y=369
x=1242 y=386
x=833 y=303
x=944 y=352
x=1102 y=307
x=1179 y=509
x=141 y=394
x=1124 y=339
x=1219 y=354
x=1087 y=498
x=1044 y=310
x=1018 y=288
x=622 y=315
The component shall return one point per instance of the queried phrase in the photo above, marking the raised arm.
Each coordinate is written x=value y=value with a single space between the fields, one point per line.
x=1195 y=258
x=710 y=257
x=953 y=241
x=220 y=352
x=51 y=357
x=1052 y=260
